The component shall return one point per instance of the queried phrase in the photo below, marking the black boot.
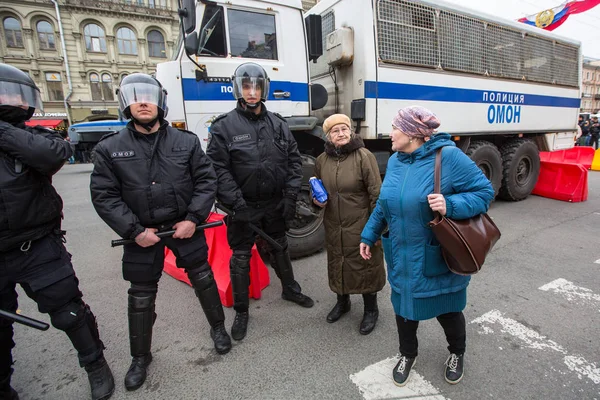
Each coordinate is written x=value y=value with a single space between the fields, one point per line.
x=207 y=292
x=281 y=263
x=6 y=391
x=371 y=314
x=240 y=281
x=137 y=372
x=240 y=325
x=101 y=379
x=141 y=319
x=341 y=307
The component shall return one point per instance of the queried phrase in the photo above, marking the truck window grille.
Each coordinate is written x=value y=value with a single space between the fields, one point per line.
x=416 y=34
x=327 y=26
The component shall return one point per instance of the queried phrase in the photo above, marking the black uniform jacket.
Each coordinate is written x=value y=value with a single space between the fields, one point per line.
x=30 y=208
x=139 y=183
x=255 y=157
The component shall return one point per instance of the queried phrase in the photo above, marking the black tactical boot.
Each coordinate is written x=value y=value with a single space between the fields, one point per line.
x=341 y=307
x=240 y=325
x=371 y=314
x=220 y=338
x=101 y=379
x=6 y=391
x=141 y=319
x=281 y=263
x=455 y=368
x=204 y=284
x=138 y=370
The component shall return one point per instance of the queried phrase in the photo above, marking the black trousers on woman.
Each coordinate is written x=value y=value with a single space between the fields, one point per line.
x=454 y=327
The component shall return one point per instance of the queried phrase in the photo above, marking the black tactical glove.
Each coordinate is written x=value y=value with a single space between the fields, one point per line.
x=287 y=207
x=242 y=215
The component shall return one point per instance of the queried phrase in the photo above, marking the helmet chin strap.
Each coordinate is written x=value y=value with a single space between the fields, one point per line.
x=147 y=126
x=248 y=105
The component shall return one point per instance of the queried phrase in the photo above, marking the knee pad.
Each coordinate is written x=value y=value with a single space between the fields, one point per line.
x=201 y=278
x=240 y=262
x=141 y=302
x=69 y=316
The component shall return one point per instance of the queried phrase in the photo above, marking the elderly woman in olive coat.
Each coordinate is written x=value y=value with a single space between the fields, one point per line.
x=351 y=177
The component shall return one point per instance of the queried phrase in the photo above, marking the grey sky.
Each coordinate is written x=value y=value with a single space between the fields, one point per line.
x=584 y=27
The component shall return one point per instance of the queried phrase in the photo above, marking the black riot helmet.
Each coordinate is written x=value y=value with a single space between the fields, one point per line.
x=19 y=95
x=251 y=76
x=142 y=88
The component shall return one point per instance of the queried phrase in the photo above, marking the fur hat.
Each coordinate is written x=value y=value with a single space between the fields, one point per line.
x=334 y=120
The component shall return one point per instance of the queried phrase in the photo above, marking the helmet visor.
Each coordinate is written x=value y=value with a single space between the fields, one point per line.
x=250 y=88
x=19 y=95
x=141 y=93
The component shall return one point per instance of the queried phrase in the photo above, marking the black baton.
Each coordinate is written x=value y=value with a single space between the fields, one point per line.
x=255 y=228
x=21 y=319
x=121 y=242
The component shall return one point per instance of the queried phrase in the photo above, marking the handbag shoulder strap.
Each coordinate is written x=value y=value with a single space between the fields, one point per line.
x=437 y=174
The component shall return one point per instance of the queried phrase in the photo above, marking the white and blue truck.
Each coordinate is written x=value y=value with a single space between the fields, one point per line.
x=502 y=89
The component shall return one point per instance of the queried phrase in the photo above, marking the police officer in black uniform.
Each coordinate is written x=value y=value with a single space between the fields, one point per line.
x=259 y=170
x=151 y=177
x=32 y=252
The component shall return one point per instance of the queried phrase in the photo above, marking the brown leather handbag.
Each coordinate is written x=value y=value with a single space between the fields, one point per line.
x=465 y=243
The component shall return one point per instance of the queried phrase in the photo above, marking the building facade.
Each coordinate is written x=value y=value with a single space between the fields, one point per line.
x=104 y=40
x=590 y=86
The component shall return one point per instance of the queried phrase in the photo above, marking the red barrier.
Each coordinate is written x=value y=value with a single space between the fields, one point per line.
x=583 y=155
x=561 y=181
x=219 y=254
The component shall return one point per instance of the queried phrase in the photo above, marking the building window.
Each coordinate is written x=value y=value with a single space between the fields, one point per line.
x=126 y=41
x=95 y=87
x=45 y=35
x=123 y=77
x=156 y=44
x=95 y=39
x=107 y=91
x=13 y=33
x=157 y=3
x=54 y=86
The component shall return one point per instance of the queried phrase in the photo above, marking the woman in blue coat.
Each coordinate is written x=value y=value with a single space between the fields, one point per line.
x=422 y=286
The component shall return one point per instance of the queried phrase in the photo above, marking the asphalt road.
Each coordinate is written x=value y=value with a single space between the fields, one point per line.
x=533 y=319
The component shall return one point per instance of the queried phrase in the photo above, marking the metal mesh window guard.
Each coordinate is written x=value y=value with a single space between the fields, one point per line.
x=407 y=33
x=412 y=33
x=462 y=43
x=327 y=26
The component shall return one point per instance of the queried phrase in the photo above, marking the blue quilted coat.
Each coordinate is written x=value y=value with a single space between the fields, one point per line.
x=422 y=285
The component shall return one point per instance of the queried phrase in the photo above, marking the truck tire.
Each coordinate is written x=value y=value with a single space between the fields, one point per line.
x=306 y=234
x=489 y=160
x=521 y=169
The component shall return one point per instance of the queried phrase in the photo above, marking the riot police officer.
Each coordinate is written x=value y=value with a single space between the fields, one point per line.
x=259 y=170
x=150 y=177
x=32 y=252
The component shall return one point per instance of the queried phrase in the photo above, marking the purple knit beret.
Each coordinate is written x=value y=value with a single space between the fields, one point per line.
x=416 y=121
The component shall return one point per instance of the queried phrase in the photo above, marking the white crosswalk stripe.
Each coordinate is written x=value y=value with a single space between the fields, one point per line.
x=534 y=340
x=375 y=383
x=573 y=293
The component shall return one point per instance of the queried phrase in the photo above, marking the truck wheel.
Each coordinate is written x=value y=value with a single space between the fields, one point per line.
x=306 y=234
x=488 y=159
x=521 y=165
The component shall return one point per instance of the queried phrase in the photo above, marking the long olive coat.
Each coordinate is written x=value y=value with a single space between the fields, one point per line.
x=351 y=176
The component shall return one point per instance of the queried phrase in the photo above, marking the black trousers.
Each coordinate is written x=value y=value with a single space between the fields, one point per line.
x=266 y=217
x=454 y=327
x=145 y=264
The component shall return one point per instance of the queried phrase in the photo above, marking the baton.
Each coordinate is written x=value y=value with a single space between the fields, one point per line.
x=21 y=319
x=255 y=228
x=121 y=242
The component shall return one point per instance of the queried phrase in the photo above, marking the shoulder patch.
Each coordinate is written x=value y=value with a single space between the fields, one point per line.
x=107 y=136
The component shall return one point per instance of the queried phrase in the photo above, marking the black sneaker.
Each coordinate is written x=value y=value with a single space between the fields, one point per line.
x=454 y=368
x=402 y=370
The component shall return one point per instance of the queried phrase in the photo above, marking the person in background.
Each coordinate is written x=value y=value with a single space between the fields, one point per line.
x=147 y=178
x=32 y=250
x=422 y=285
x=584 y=125
x=351 y=177
x=594 y=133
